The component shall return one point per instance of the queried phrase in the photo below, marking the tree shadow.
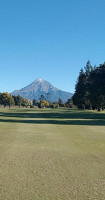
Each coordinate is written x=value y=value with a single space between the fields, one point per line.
x=55 y=115
x=70 y=117
x=58 y=122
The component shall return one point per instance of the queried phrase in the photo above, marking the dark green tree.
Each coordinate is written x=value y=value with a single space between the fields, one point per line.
x=18 y=100
x=69 y=103
x=60 y=102
x=34 y=102
x=80 y=91
x=81 y=95
x=96 y=87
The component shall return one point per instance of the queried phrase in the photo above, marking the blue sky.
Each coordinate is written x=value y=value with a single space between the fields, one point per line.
x=51 y=39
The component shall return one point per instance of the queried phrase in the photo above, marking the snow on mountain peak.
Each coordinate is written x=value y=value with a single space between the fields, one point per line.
x=39 y=79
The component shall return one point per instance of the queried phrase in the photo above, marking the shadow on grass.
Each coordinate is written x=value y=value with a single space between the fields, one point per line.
x=56 y=115
x=73 y=117
x=58 y=122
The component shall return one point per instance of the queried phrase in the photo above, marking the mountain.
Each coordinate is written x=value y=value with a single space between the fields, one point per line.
x=41 y=87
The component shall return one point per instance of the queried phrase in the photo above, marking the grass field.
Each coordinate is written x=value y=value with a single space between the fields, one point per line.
x=52 y=154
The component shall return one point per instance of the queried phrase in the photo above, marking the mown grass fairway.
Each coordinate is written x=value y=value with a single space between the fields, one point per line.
x=52 y=154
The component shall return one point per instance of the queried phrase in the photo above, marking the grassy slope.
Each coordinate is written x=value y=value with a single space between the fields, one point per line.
x=54 y=155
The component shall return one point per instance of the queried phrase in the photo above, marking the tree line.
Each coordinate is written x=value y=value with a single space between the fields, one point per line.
x=44 y=101
x=90 y=88
x=7 y=100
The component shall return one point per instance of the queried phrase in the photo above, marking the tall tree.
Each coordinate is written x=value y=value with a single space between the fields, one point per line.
x=6 y=99
x=81 y=95
x=34 y=102
x=96 y=87
x=80 y=90
x=60 y=102
x=18 y=100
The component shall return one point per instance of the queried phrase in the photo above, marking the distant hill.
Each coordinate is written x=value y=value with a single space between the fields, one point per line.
x=41 y=87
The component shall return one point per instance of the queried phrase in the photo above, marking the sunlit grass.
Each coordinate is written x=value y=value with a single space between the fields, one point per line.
x=52 y=154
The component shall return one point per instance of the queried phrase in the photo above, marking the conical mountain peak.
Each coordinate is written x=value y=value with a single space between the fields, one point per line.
x=39 y=80
x=42 y=87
